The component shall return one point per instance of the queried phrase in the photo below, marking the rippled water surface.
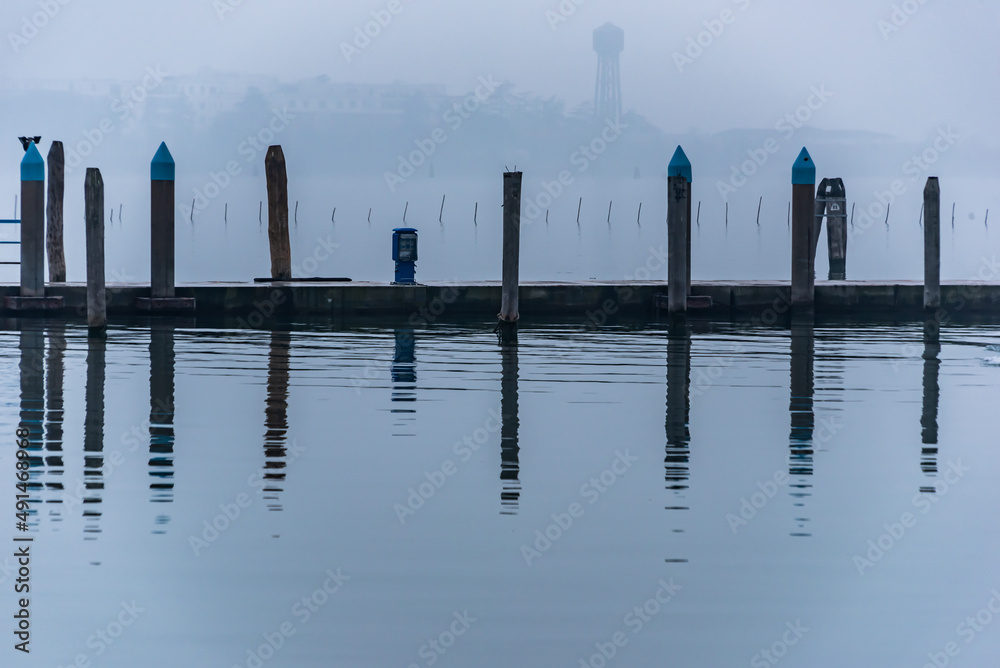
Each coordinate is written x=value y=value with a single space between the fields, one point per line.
x=373 y=496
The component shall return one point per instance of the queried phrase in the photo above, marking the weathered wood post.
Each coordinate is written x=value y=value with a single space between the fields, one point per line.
x=678 y=206
x=803 y=218
x=819 y=210
x=932 y=244
x=32 y=223
x=510 y=463
x=836 y=229
x=97 y=316
x=509 y=315
x=54 y=213
x=931 y=400
x=277 y=214
x=161 y=237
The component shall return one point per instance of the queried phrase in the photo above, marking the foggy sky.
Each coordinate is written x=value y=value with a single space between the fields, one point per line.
x=938 y=67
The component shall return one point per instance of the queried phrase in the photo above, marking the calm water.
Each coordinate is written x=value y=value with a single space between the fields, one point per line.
x=385 y=497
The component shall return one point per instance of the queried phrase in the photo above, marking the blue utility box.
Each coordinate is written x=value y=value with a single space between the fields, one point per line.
x=404 y=254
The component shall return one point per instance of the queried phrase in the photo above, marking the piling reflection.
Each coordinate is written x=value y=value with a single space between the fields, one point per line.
x=803 y=418
x=678 y=408
x=404 y=380
x=93 y=435
x=31 y=349
x=161 y=418
x=510 y=464
x=276 y=419
x=678 y=420
x=55 y=374
x=929 y=413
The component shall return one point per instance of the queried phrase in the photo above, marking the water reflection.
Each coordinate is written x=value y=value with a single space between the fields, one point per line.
x=55 y=374
x=678 y=408
x=93 y=435
x=404 y=379
x=929 y=414
x=276 y=418
x=678 y=421
x=31 y=343
x=161 y=417
x=510 y=466
x=803 y=419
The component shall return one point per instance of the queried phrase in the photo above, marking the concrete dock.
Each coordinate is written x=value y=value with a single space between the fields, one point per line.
x=595 y=301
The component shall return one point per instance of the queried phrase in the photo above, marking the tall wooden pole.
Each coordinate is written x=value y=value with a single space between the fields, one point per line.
x=803 y=229
x=54 y=211
x=507 y=327
x=277 y=214
x=161 y=237
x=932 y=244
x=97 y=317
x=678 y=227
x=32 y=223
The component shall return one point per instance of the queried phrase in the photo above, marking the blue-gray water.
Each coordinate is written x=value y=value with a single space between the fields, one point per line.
x=726 y=482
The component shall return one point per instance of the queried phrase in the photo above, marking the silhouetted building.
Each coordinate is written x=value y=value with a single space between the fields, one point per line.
x=609 y=42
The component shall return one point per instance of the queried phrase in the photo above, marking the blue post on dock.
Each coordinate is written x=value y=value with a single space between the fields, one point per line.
x=803 y=231
x=163 y=297
x=32 y=288
x=678 y=232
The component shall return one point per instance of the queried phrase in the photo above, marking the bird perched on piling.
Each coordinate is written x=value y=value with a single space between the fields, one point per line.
x=27 y=141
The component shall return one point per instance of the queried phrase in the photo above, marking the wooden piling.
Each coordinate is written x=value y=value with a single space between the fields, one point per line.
x=803 y=213
x=32 y=223
x=507 y=326
x=441 y=215
x=678 y=190
x=579 y=208
x=932 y=244
x=161 y=237
x=277 y=214
x=97 y=317
x=54 y=214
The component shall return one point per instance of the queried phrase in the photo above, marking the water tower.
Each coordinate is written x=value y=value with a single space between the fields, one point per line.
x=609 y=42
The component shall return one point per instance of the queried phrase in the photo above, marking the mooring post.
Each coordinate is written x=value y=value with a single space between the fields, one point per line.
x=678 y=207
x=54 y=214
x=162 y=172
x=803 y=214
x=932 y=244
x=507 y=327
x=277 y=214
x=836 y=229
x=97 y=316
x=820 y=206
x=32 y=223
x=690 y=199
